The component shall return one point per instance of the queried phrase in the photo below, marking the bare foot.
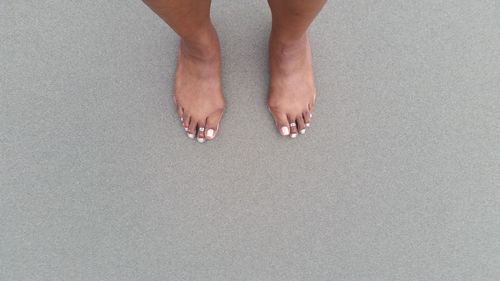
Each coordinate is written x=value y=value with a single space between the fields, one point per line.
x=198 y=93
x=292 y=91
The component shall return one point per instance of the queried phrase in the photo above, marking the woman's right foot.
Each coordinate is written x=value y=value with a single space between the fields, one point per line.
x=198 y=92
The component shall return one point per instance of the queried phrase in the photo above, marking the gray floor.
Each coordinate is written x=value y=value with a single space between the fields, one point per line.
x=398 y=177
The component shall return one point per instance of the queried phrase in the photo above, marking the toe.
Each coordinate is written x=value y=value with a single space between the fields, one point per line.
x=191 y=131
x=307 y=118
x=293 y=127
x=179 y=109
x=310 y=110
x=180 y=113
x=185 y=121
x=201 y=132
x=281 y=122
x=212 y=125
x=311 y=105
x=301 y=127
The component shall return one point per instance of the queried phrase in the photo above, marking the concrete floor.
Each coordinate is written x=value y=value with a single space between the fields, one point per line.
x=398 y=177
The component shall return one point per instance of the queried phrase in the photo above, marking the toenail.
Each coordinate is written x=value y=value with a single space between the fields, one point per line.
x=182 y=119
x=285 y=131
x=191 y=136
x=293 y=135
x=308 y=124
x=210 y=133
x=293 y=124
x=310 y=115
x=303 y=131
x=201 y=140
x=201 y=129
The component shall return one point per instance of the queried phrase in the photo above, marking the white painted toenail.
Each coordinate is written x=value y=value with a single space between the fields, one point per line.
x=210 y=133
x=285 y=131
x=310 y=115
x=293 y=124
x=185 y=129
x=293 y=135
x=191 y=136
x=201 y=129
x=182 y=119
x=201 y=139
x=303 y=131
x=308 y=124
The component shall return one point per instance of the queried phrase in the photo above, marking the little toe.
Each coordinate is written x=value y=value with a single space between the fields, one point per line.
x=311 y=106
x=180 y=113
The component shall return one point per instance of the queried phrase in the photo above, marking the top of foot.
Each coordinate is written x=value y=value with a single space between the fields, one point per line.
x=292 y=90
x=198 y=92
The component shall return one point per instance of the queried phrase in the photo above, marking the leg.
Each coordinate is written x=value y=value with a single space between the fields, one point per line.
x=292 y=91
x=198 y=93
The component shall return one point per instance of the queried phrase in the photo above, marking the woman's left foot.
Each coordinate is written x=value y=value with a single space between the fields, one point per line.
x=292 y=91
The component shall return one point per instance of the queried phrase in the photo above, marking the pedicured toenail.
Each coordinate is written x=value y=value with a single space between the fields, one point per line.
x=293 y=135
x=308 y=124
x=182 y=119
x=285 y=131
x=303 y=131
x=210 y=133
x=191 y=136
x=201 y=140
x=293 y=124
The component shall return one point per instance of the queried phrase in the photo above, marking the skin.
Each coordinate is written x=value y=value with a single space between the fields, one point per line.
x=198 y=92
x=292 y=91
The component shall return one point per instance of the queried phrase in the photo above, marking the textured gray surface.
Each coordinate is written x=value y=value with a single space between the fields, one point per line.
x=397 y=178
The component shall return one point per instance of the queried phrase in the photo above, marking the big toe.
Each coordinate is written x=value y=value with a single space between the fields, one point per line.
x=281 y=122
x=212 y=124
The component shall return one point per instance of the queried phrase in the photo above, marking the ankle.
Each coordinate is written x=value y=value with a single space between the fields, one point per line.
x=287 y=45
x=202 y=45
